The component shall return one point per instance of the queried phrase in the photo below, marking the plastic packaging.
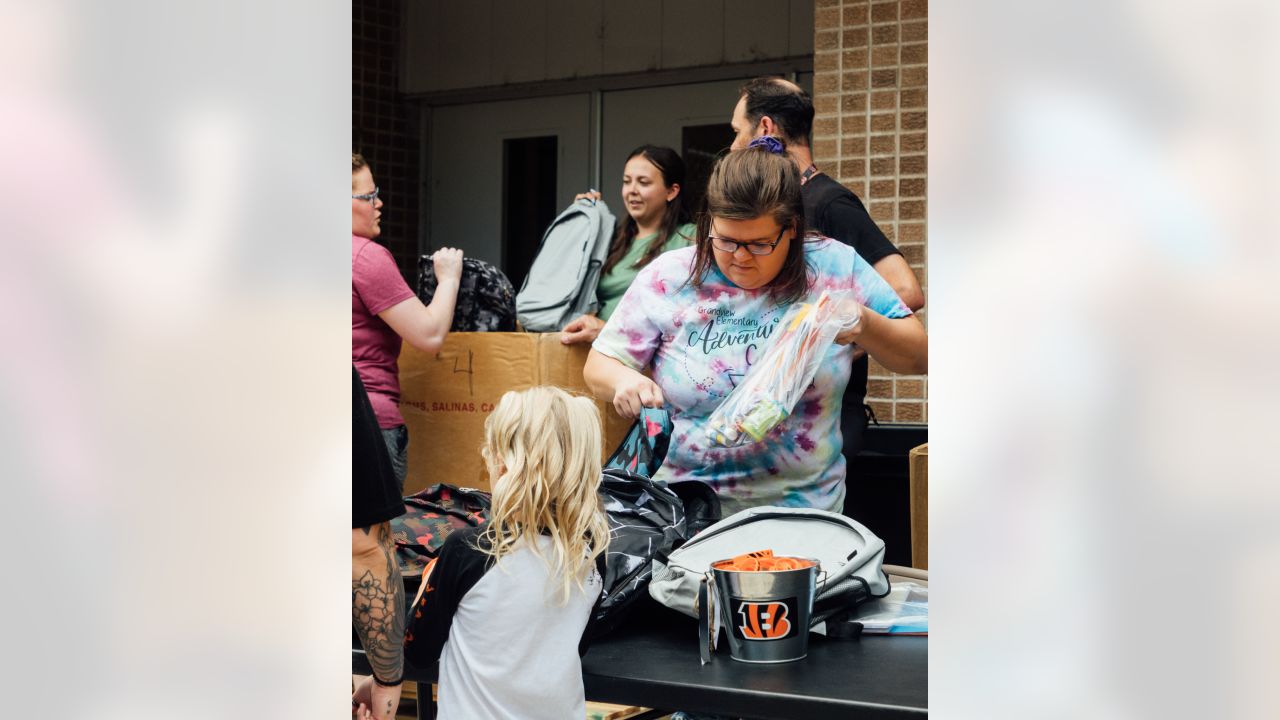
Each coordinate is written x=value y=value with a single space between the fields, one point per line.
x=904 y=611
x=774 y=384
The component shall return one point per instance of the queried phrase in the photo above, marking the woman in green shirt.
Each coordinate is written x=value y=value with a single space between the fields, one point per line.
x=657 y=221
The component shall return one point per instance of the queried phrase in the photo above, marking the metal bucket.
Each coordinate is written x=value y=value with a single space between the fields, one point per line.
x=766 y=612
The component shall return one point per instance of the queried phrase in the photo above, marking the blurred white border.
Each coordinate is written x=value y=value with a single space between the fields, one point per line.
x=1103 y=325
x=173 y=391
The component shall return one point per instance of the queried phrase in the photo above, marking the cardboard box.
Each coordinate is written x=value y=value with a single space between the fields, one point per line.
x=610 y=711
x=446 y=397
x=918 y=461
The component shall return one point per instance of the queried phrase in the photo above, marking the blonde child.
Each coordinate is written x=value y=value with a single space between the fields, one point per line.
x=506 y=606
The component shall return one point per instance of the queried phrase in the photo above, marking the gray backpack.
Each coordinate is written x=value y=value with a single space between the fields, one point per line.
x=850 y=556
x=561 y=285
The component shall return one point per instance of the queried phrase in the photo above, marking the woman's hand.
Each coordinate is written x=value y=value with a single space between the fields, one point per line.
x=850 y=335
x=592 y=195
x=627 y=389
x=585 y=328
x=635 y=393
x=374 y=701
x=899 y=344
x=448 y=264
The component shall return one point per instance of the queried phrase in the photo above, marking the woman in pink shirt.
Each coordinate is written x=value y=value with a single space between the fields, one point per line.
x=384 y=311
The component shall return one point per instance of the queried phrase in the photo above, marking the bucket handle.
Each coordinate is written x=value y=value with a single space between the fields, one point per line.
x=708 y=618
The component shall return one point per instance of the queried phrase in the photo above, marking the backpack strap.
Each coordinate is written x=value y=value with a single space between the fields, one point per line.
x=841 y=626
x=837 y=610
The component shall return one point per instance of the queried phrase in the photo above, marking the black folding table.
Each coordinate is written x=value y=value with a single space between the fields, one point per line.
x=652 y=661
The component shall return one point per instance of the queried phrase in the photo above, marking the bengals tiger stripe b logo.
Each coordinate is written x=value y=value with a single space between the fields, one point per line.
x=764 y=620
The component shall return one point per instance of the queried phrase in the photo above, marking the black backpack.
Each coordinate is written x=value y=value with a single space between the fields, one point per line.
x=647 y=518
x=486 y=298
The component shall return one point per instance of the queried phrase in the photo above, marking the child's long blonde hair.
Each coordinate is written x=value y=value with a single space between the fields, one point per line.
x=542 y=446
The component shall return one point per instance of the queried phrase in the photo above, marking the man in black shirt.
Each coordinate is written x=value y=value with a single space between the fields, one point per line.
x=773 y=106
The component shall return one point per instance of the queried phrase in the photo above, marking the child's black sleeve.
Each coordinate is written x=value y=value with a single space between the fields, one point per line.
x=458 y=568
x=594 y=626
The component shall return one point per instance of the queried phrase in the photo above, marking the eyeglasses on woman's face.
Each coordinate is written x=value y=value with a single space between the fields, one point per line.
x=727 y=245
x=370 y=198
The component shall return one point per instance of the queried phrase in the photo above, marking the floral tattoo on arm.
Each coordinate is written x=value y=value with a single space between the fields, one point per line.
x=378 y=611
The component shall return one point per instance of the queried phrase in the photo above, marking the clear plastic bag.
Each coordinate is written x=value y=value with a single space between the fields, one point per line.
x=774 y=384
x=905 y=610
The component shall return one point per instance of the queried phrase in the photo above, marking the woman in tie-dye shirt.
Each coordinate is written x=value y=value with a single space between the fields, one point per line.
x=699 y=316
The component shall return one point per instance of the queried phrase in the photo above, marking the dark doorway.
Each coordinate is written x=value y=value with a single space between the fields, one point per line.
x=701 y=146
x=528 y=201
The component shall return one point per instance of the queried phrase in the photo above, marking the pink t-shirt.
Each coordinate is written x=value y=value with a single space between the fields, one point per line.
x=376 y=285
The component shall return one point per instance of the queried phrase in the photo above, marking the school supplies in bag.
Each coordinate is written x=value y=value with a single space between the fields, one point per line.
x=849 y=555
x=561 y=284
x=774 y=384
x=429 y=517
x=486 y=299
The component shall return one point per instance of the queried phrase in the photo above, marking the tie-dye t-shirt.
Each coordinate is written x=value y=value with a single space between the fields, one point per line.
x=700 y=342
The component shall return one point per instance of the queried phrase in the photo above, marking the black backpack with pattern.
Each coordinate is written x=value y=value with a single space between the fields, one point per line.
x=430 y=516
x=486 y=298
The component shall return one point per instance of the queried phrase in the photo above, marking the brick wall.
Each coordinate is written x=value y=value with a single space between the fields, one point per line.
x=384 y=127
x=870 y=84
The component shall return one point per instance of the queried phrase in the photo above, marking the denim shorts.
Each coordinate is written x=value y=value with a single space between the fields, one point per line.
x=397 y=439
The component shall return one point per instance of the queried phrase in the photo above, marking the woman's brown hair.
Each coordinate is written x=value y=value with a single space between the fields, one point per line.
x=671 y=166
x=357 y=164
x=747 y=184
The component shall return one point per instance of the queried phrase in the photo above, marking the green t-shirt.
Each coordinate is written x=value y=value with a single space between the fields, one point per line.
x=614 y=283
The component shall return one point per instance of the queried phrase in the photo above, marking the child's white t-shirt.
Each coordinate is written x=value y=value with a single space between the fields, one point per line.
x=506 y=649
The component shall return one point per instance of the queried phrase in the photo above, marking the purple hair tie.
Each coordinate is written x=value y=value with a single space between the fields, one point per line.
x=768 y=142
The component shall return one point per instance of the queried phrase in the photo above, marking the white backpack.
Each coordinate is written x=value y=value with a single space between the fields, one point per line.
x=561 y=284
x=850 y=556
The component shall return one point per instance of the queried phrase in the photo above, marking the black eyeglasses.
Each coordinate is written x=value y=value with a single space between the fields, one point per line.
x=731 y=246
x=370 y=197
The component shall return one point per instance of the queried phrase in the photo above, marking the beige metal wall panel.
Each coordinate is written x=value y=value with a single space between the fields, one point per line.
x=632 y=37
x=756 y=30
x=458 y=52
x=692 y=33
x=418 y=35
x=487 y=43
x=574 y=45
x=518 y=41
x=801 y=28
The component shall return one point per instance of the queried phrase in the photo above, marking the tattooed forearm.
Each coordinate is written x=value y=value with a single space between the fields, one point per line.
x=378 y=608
